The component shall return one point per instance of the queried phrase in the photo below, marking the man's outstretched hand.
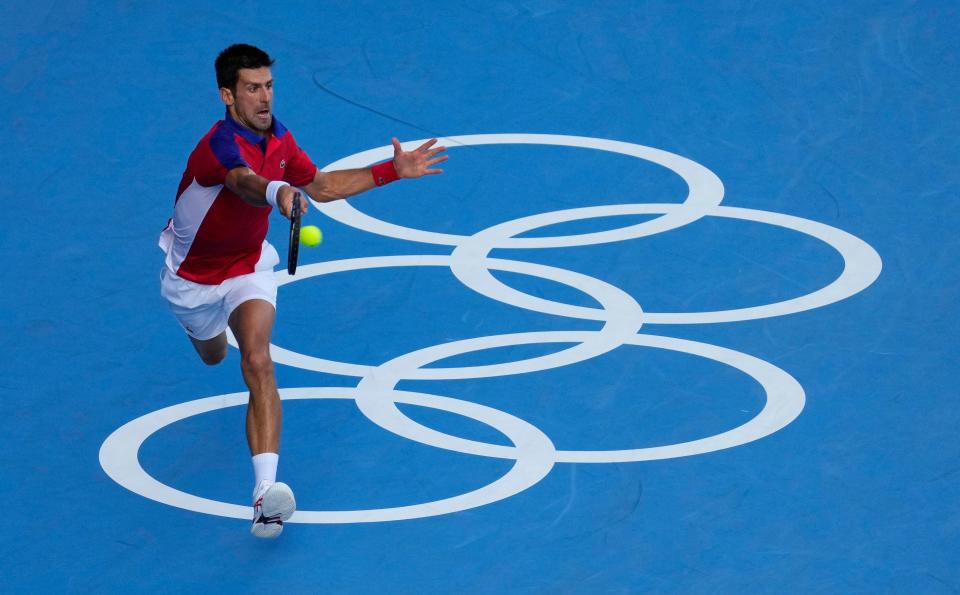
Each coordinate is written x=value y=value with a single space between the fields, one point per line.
x=416 y=163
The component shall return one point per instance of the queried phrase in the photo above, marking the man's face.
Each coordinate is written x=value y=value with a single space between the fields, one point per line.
x=252 y=103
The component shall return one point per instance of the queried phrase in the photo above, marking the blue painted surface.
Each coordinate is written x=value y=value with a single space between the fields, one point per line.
x=843 y=114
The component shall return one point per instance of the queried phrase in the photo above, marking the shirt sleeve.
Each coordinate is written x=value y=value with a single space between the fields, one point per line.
x=300 y=169
x=215 y=156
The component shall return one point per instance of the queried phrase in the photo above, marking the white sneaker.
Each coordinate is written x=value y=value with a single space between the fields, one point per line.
x=273 y=503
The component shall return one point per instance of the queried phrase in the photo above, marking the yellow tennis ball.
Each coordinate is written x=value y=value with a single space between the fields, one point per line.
x=310 y=235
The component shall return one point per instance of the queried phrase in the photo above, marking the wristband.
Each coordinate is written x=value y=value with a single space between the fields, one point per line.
x=272 y=189
x=384 y=173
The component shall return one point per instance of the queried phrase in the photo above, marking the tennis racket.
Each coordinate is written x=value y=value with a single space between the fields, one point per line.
x=294 y=249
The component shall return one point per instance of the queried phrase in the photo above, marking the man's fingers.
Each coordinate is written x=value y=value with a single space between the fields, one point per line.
x=430 y=172
x=437 y=160
x=285 y=206
x=427 y=144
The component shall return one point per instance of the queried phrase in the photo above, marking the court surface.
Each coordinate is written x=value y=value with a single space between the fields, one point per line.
x=679 y=316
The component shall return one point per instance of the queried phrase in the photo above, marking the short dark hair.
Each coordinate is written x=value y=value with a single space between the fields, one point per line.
x=235 y=57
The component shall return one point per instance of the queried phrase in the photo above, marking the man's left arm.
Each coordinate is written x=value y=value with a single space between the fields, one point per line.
x=336 y=185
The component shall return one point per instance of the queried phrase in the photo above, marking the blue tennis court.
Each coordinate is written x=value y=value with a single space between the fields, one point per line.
x=676 y=318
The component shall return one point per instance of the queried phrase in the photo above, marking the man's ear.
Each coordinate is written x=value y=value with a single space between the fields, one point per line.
x=226 y=96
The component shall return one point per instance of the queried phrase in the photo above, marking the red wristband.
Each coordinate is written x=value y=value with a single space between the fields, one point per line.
x=384 y=173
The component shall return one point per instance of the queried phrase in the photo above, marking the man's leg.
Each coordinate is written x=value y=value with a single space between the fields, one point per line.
x=273 y=503
x=212 y=351
x=252 y=325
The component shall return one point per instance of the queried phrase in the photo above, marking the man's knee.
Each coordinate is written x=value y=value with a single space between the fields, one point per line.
x=211 y=351
x=257 y=363
x=212 y=358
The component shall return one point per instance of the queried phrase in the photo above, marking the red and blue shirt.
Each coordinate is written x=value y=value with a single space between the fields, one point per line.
x=214 y=234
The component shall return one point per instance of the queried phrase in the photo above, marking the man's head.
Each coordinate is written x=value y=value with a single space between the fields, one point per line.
x=246 y=85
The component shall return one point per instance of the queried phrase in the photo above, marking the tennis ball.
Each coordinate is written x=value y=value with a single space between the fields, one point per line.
x=310 y=235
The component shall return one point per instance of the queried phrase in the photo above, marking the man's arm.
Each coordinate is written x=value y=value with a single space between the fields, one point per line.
x=336 y=185
x=253 y=190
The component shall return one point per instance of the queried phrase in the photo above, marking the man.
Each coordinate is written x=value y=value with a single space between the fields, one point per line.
x=218 y=270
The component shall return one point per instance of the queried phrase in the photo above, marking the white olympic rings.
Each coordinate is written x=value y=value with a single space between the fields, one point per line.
x=619 y=313
x=705 y=190
x=118 y=457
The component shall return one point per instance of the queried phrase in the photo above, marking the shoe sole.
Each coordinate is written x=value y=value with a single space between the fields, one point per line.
x=277 y=501
x=265 y=531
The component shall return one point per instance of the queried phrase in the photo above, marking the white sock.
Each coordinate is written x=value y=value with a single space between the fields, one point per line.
x=265 y=468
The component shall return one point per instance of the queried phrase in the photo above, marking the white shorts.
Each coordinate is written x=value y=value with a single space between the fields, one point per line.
x=204 y=310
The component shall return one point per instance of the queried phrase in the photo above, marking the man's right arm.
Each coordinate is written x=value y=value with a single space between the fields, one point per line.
x=252 y=189
x=248 y=186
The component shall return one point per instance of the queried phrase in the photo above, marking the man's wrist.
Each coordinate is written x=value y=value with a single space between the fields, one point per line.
x=272 y=189
x=384 y=173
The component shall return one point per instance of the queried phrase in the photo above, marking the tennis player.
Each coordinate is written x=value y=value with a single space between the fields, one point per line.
x=218 y=270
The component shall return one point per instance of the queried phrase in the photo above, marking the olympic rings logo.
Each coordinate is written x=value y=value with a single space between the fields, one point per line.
x=534 y=453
